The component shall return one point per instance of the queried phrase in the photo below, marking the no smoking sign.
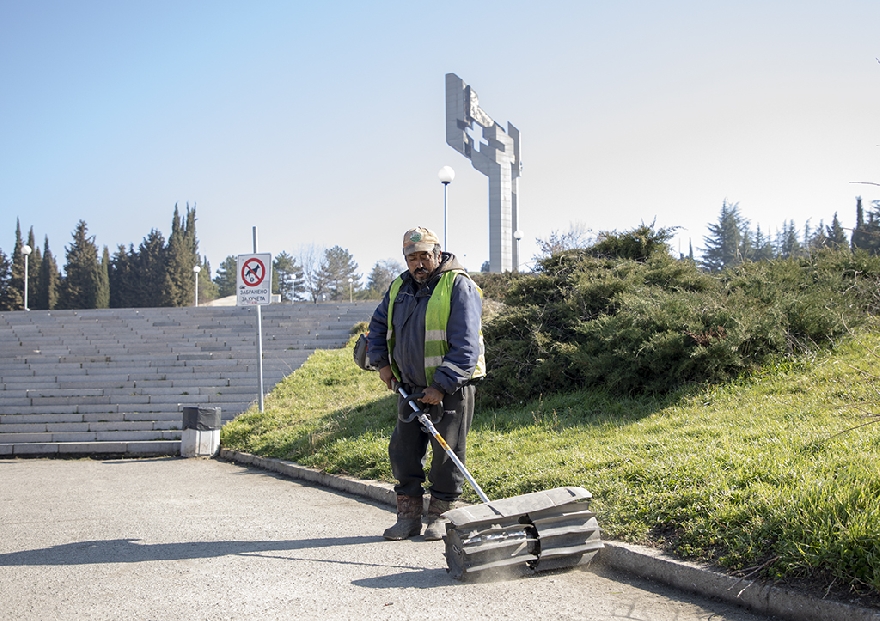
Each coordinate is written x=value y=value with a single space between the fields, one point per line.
x=254 y=279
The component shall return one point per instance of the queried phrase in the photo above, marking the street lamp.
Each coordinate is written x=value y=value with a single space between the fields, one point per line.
x=517 y=235
x=350 y=294
x=26 y=251
x=196 y=270
x=446 y=176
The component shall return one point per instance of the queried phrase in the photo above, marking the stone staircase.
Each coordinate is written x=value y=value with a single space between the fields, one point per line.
x=114 y=382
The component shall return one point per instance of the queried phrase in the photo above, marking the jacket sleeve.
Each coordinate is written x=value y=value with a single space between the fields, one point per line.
x=377 y=345
x=463 y=336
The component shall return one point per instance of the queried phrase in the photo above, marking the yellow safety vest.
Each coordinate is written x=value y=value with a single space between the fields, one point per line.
x=436 y=318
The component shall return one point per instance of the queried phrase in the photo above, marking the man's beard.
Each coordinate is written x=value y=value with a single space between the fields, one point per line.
x=421 y=275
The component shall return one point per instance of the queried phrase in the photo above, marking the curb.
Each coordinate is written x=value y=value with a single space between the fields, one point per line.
x=632 y=559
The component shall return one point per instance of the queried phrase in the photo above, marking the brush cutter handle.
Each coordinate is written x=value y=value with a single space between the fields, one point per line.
x=426 y=422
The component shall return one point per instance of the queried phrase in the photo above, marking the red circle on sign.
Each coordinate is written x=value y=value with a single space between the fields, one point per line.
x=253 y=272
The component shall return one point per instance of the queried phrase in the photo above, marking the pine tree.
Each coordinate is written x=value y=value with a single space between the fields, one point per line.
x=787 y=243
x=149 y=268
x=80 y=285
x=763 y=246
x=50 y=280
x=380 y=278
x=122 y=277
x=287 y=277
x=835 y=235
x=727 y=243
x=226 y=278
x=337 y=269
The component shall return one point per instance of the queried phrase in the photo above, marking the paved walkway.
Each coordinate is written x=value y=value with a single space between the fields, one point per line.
x=192 y=539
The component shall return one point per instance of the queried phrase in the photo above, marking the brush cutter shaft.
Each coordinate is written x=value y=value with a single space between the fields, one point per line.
x=426 y=422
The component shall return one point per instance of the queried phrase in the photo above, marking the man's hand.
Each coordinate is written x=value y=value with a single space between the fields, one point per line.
x=387 y=376
x=432 y=396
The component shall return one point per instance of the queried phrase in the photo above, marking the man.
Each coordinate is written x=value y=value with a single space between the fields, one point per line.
x=426 y=335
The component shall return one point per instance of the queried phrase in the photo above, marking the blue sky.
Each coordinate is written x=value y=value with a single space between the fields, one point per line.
x=323 y=123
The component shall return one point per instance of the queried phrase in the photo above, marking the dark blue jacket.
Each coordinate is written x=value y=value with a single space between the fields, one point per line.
x=462 y=330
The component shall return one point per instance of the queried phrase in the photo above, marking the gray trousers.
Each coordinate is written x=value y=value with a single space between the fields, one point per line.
x=408 y=448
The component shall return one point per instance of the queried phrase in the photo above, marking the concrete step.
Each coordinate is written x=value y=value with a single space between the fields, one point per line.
x=131 y=371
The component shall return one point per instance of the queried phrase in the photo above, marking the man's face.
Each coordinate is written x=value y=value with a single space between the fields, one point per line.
x=421 y=265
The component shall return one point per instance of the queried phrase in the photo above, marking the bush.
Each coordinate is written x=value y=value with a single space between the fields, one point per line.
x=626 y=316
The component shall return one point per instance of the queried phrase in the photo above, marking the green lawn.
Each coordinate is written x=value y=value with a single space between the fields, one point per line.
x=777 y=475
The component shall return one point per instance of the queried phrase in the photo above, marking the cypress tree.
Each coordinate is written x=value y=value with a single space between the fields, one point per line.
x=8 y=300
x=50 y=278
x=103 y=285
x=180 y=257
x=15 y=285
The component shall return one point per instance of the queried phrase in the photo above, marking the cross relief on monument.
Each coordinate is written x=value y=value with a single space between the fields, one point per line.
x=497 y=156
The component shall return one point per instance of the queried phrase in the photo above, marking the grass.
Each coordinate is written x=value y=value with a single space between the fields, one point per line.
x=775 y=475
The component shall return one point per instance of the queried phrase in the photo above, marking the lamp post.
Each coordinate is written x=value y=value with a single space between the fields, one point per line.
x=446 y=176
x=26 y=251
x=517 y=235
x=196 y=270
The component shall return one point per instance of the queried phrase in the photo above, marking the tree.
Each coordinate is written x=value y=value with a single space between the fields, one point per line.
x=763 y=247
x=788 y=245
x=287 y=277
x=338 y=272
x=835 y=235
x=727 y=244
x=123 y=278
x=180 y=258
x=36 y=260
x=226 y=278
x=50 y=278
x=207 y=288
x=380 y=278
x=15 y=284
x=103 y=293
x=79 y=288
x=8 y=300
x=866 y=233
x=310 y=261
x=149 y=267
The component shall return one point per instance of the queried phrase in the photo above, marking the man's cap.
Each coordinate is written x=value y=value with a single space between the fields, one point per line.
x=419 y=239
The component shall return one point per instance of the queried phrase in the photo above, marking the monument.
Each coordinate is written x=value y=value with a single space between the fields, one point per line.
x=496 y=155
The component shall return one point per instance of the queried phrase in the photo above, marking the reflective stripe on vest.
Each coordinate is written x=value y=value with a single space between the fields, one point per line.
x=436 y=318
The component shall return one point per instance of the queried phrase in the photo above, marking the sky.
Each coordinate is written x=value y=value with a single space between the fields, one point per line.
x=323 y=124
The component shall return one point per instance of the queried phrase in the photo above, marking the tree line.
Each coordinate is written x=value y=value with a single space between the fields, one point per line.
x=159 y=272
x=732 y=241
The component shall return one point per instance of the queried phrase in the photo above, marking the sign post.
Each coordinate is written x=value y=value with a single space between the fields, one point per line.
x=254 y=288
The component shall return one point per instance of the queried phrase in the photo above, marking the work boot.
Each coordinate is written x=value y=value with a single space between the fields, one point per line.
x=409 y=518
x=436 y=524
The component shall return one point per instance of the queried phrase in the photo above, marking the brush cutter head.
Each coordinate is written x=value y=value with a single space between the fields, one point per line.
x=540 y=531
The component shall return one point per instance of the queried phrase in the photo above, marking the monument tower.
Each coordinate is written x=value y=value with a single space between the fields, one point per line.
x=497 y=156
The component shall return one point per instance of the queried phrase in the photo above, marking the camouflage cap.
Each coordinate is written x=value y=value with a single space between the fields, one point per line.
x=419 y=239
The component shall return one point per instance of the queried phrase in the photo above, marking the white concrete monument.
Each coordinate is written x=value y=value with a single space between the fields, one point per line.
x=497 y=156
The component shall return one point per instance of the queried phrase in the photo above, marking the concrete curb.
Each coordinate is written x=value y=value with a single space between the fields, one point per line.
x=632 y=559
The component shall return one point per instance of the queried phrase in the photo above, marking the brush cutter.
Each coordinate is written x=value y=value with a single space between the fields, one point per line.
x=542 y=530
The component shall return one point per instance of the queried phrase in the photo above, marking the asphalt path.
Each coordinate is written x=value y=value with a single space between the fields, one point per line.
x=192 y=539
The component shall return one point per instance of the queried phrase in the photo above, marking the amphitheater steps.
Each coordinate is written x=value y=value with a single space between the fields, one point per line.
x=101 y=382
